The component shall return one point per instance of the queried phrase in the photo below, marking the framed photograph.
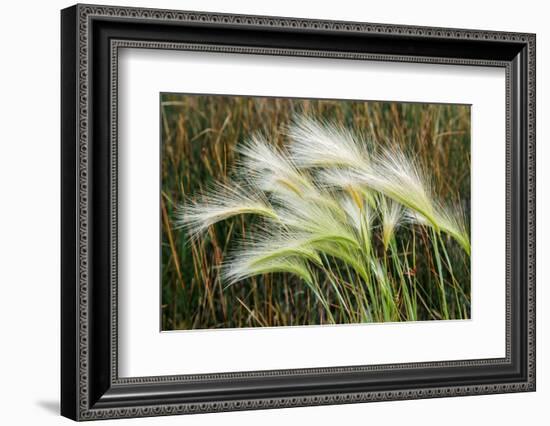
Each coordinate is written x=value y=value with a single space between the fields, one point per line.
x=263 y=212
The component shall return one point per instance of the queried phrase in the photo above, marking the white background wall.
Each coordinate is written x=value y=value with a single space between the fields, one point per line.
x=29 y=212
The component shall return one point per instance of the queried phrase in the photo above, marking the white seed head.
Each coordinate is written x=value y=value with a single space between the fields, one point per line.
x=322 y=144
x=392 y=215
x=270 y=169
x=219 y=203
x=271 y=251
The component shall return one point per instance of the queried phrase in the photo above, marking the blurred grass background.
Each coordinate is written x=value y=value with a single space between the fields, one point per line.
x=199 y=135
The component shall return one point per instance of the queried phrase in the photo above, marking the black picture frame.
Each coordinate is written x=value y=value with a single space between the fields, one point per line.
x=90 y=386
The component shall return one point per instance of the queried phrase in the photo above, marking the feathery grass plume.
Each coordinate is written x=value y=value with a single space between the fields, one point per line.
x=392 y=215
x=396 y=176
x=322 y=144
x=245 y=267
x=317 y=219
x=452 y=222
x=347 y=180
x=353 y=211
x=271 y=251
x=220 y=202
x=271 y=169
x=271 y=244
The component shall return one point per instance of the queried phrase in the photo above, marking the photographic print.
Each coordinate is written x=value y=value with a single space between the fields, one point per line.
x=295 y=212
